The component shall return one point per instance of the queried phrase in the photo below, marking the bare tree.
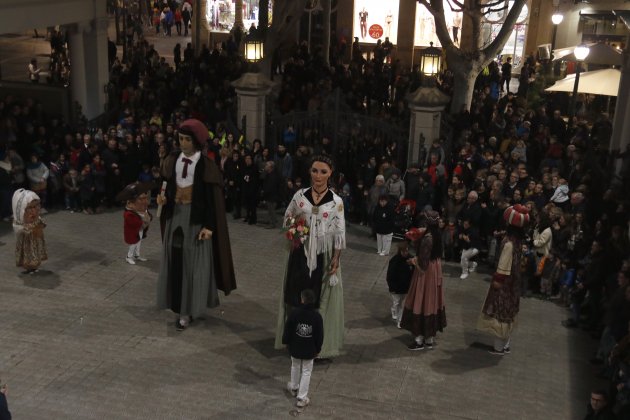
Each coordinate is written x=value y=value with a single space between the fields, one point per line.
x=468 y=61
x=327 y=5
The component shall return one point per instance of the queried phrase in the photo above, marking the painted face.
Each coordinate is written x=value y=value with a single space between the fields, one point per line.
x=31 y=212
x=186 y=145
x=320 y=173
x=142 y=203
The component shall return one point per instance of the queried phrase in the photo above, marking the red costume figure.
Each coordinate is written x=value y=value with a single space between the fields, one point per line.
x=137 y=218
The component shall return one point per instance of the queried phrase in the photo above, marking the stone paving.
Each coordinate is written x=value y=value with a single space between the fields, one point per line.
x=82 y=339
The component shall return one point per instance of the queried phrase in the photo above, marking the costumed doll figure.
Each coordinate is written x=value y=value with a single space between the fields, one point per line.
x=196 y=256
x=30 y=247
x=498 y=315
x=137 y=218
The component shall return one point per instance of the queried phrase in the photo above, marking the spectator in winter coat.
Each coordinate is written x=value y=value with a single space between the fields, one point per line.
x=399 y=273
x=560 y=196
x=271 y=191
x=383 y=223
x=37 y=174
x=395 y=186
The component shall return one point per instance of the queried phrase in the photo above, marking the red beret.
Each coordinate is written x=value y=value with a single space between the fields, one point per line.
x=197 y=130
x=516 y=215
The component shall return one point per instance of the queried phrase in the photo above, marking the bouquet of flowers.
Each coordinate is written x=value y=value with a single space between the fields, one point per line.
x=296 y=231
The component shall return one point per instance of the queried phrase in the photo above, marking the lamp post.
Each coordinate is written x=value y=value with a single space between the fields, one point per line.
x=251 y=90
x=556 y=19
x=580 y=52
x=254 y=49
x=430 y=61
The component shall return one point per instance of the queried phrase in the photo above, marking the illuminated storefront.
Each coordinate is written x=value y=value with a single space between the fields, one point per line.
x=221 y=14
x=424 y=32
x=374 y=20
x=515 y=45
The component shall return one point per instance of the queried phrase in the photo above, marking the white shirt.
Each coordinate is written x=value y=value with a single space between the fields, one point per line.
x=179 y=169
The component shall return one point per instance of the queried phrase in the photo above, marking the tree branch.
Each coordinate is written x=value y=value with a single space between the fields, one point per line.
x=426 y=4
x=458 y=4
x=441 y=30
x=492 y=49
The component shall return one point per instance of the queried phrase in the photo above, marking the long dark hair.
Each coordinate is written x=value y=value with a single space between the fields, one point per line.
x=436 y=250
x=434 y=230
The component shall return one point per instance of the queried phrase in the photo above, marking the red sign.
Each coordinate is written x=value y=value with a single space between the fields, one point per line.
x=376 y=31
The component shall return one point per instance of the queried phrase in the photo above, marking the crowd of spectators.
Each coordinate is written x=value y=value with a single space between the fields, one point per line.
x=503 y=152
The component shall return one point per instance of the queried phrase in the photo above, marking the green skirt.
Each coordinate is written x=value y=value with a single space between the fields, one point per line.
x=330 y=308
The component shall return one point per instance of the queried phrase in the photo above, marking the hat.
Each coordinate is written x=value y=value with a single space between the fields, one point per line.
x=21 y=199
x=432 y=217
x=134 y=190
x=516 y=215
x=197 y=130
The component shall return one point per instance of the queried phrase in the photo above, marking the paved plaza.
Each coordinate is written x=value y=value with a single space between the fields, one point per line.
x=82 y=339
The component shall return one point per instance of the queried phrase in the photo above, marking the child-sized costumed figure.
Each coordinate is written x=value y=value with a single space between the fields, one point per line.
x=30 y=247
x=137 y=218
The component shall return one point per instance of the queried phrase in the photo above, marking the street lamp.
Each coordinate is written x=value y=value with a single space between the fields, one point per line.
x=580 y=52
x=430 y=61
x=254 y=50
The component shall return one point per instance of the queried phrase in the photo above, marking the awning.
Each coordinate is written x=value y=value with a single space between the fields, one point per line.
x=602 y=54
x=598 y=82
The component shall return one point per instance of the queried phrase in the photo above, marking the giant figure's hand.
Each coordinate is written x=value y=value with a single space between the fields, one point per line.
x=204 y=234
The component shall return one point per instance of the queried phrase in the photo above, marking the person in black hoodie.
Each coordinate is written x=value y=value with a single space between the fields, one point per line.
x=399 y=273
x=383 y=223
x=469 y=243
x=250 y=187
x=303 y=335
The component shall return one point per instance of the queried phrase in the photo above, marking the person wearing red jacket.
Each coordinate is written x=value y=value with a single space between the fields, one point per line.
x=136 y=219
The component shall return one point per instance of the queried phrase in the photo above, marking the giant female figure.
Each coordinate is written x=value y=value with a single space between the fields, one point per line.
x=314 y=264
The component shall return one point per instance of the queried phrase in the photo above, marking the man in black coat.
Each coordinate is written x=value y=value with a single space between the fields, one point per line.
x=249 y=189
x=271 y=191
x=399 y=273
x=304 y=335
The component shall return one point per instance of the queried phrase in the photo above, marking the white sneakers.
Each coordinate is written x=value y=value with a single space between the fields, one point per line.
x=471 y=269
x=133 y=260
x=301 y=403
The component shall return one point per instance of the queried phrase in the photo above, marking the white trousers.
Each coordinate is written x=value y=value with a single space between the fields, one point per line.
x=467 y=254
x=398 y=301
x=384 y=243
x=134 y=250
x=301 y=376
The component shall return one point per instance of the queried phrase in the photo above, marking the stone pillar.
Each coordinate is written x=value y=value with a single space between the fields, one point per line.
x=426 y=106
x=405 y=36
x=345 y=22
x=200 y=32
x=238 y=14
x=621 y=125
x=251 y=90
x=89 y=72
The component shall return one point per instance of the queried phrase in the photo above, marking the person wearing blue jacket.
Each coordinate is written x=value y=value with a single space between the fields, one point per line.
x=303 y=335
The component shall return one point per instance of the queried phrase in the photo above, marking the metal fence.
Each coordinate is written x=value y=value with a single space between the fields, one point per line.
x=345 y=130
